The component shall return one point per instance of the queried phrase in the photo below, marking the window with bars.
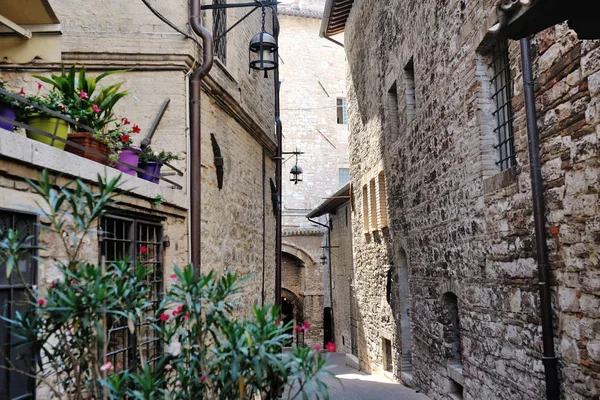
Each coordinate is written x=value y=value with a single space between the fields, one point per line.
x=502 y=97
x=342 y=111
x=138 y=241
x=14 y=298
x=219 y=29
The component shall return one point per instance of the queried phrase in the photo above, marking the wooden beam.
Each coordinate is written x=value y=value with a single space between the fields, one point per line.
x=15 y=27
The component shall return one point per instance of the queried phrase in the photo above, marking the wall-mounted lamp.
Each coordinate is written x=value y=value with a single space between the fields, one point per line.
x=296 y=171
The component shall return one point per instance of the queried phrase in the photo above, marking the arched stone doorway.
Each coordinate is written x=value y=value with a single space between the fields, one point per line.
x=292 y=310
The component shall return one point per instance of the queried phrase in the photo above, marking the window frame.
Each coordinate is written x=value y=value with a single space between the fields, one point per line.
x=219 y=29
x=12 y=288
x=130 y=348
x=502 y=95
x=342 y=110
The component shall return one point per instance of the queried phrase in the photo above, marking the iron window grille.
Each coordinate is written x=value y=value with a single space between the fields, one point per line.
x=219 y=30
x=342 y=111
x=14 y=297
x=502 y=96
x=138 y=241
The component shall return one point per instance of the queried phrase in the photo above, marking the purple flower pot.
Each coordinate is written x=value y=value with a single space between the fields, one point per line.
x=151 y=167
x=7 y=112
x=128 y=156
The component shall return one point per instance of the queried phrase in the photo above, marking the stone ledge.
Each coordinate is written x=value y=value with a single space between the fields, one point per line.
x=352 y=361
x=501 y=180
x=21 y=149
x=455 y=372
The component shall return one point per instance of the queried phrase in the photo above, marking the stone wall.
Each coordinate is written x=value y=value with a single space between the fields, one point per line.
x=465 y=227
x=342 y=276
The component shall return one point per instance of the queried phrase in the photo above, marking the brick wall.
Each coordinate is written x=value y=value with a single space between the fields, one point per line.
x=465 y=227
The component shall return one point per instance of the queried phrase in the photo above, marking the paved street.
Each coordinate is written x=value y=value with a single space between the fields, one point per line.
x=356 y=385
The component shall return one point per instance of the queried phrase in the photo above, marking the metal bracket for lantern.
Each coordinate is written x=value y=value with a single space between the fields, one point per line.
x=262 y=51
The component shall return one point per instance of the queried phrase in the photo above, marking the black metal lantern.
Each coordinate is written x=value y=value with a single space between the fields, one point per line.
x=296 y=174
x=263 y=52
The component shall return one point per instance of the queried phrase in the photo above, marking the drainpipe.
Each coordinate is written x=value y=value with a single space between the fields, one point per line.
x=278 y=168
x=549 y=359
x=328 y=246
x=195 y=132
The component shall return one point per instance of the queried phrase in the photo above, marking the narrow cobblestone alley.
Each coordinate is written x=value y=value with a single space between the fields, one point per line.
x=357 y=385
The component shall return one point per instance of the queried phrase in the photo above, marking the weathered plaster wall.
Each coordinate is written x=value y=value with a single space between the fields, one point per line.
x=466 y=228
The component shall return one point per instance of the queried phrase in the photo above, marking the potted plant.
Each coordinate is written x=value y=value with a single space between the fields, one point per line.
x=151 y=162
x=42 y=121
x=120 y=141
x=91 y=106
x=7 y=109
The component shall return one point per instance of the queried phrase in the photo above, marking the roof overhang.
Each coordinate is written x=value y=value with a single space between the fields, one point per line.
x=335 y=16
x=29 y=29
x=332 y=203
x=527 y=17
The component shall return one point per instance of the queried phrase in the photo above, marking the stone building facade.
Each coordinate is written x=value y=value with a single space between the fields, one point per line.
x=238 y=220
x=312 y=114
x=446 y=282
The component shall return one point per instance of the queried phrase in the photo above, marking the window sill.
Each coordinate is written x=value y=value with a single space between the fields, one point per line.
x=455 y=372
x=21 y=149
x=501 y=180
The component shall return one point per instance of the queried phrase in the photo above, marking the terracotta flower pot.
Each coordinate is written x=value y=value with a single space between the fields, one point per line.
x=89 y=142
x=128 y=156
x=152 y=167
x=48 y=124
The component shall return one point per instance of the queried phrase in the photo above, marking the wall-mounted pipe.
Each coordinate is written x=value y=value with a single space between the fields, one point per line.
x=195 y=132
x=278 y=167
x=549 y=359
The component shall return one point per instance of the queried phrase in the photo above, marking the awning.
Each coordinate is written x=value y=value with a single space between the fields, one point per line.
x=29 y=29
x=333 y=203
x=335 y=16
x=528 y=17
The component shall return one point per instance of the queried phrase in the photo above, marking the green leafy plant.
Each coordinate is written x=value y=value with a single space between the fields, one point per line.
x=208 y=351
x=158 y=200
x=148 y=154
x=87 y=103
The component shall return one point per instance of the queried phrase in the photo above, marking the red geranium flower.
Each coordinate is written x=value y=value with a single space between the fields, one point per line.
x=330 y=347
x=125 y=121
x=164 y=317
x=136 y=129
x=22 y=92
x=125 y=138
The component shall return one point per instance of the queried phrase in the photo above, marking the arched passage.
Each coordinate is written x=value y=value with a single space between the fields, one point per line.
x=291 y=309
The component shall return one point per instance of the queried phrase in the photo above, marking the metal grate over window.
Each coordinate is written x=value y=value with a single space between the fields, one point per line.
x=502 y=96
x=138 y=241
x=219 y=29
x=14 y=298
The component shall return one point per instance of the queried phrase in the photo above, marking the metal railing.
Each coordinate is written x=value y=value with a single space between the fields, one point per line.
x=173 y=171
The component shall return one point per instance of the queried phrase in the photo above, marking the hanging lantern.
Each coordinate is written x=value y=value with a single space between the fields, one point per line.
x=263 y=52
x=296 y=174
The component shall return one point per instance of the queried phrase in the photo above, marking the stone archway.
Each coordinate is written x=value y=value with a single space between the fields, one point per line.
x=291 y=309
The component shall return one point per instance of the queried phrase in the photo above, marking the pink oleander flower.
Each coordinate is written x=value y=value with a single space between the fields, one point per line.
x=143 y=249
x=330 y=347
x=299 y=328
x=306 y=325
x=186 y=315
x=40 y=86
x=95 y=108
x=317 y=347
x=107 y=367
x=83 y=95
x=178 y=311
x=164 y=317
x=203 y=378
x=22 y=92
x=42 y=302
x=174 y=277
